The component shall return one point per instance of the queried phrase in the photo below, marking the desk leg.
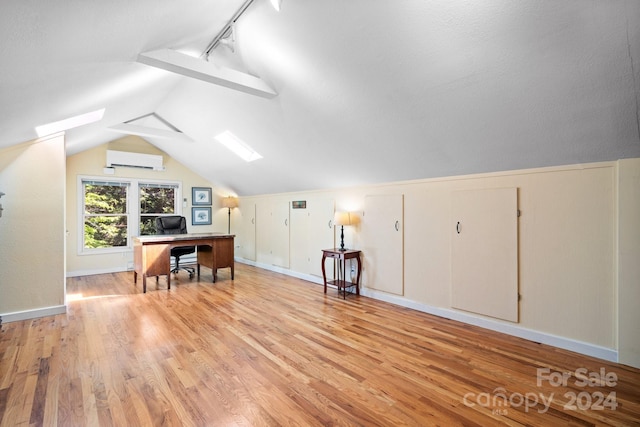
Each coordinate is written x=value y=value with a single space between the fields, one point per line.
x=169 y=280
x=342 y=277
x=324 y=274
x=144 y=283
x=358 y=275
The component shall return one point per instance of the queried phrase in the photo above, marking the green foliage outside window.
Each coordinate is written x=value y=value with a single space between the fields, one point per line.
x=105 y=216
x=154 y=201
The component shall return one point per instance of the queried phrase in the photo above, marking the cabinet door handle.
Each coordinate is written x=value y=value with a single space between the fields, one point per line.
x=458 y=227
x=330 y=224
x=286 y=222
x=397 y=226
x=253 y=220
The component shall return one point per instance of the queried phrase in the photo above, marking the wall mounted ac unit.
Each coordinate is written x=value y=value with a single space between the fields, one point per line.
x=134 y=160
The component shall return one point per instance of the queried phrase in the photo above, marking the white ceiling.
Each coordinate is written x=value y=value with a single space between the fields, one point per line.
x=368 y=90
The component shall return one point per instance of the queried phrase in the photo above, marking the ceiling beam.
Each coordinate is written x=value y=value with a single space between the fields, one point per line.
x=196 y=68
x=147 y=131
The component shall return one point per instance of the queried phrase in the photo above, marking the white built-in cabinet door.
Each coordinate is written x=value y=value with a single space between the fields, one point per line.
x=321 y=232
x=484 y=252
x=272 y=232
x=247 y=236
x=263 y=232
x=383 y=243
x=311 y=231
x=299 y=239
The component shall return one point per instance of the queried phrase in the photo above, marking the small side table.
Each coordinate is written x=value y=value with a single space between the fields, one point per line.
x=341 y=257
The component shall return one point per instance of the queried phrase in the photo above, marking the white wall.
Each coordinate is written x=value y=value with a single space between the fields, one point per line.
x=568 y=261
x=32 y=244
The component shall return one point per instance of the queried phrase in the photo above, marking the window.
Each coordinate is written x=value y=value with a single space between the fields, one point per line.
x=113 y=211
x=155 y=200
x=105 y=215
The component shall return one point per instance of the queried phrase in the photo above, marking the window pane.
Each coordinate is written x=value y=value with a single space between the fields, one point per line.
x=157 y=200
x=105 y=214
x=105 y=231
x=105 y=199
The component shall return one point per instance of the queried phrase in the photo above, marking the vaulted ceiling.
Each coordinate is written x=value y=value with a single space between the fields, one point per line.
x=367 y=91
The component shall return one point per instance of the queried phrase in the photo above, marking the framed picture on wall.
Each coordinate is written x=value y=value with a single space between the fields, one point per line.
x=200 y=216
x=201 y=196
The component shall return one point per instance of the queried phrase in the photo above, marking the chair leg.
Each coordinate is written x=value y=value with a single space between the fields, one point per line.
x=189 y=270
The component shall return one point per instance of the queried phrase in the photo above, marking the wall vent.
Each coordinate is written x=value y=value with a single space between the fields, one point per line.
x=134 y=160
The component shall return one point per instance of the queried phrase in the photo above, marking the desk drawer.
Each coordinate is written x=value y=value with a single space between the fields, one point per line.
x=333 y=255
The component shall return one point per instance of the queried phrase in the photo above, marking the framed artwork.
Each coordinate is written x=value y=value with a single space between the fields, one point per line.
x=201 y=196
x=200 y=216
x=299 y=204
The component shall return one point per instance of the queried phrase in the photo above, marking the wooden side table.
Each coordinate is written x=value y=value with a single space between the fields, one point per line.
x=341 y=257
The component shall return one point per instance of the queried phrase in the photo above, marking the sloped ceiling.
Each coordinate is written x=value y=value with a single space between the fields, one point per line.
x=367 y=91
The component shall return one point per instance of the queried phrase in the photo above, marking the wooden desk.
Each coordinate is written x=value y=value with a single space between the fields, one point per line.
x=341 y=257
x=152 y=254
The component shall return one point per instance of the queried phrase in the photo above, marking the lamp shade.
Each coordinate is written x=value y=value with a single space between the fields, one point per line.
x=342 y=218
x=230 y=202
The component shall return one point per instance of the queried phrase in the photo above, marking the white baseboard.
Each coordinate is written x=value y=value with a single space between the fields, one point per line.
x=79 y=273
x=495 y=325
x=276 y=269
x=32 y=314
x=587 y=349
x=186 y=260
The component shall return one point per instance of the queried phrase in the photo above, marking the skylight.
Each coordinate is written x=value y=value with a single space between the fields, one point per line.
x=239 y=147
x=70 y=123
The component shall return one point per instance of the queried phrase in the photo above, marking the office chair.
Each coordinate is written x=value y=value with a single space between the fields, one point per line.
x=176 y=225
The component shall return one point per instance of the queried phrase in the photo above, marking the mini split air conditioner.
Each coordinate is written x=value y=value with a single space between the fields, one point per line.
x=134 y=160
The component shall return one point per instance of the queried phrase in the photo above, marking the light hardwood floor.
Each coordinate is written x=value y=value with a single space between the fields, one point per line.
x=268 y=349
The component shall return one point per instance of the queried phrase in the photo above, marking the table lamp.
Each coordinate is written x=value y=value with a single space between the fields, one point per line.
x=342 y=219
